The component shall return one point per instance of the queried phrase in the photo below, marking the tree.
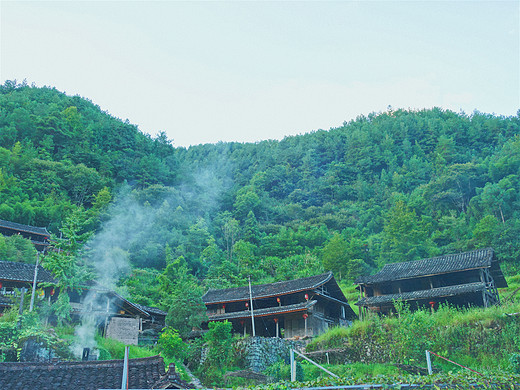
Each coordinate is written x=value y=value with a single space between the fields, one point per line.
x=182 y=296
x=219 y=339
x=405 y=236
x=65 y=261
x=343 y=257
x=230 y=230
x=171 y=345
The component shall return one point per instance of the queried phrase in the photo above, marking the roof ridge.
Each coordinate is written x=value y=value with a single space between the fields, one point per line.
x=440 y=256
x=79 y=363
x=22 y=225
x=328 y=273
x=451 y=262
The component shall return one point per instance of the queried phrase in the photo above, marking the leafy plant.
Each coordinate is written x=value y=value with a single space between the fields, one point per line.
x=171 y=344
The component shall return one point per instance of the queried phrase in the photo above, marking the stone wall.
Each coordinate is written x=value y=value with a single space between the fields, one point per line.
x=262 y=352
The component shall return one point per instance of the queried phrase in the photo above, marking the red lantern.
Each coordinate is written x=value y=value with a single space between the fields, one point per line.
x=223 y=306
x=278 y=299
x=307 y=297
x=247 y=304
x=276 y=320
x=305 y=316
x=52 y=292
x=432 y=304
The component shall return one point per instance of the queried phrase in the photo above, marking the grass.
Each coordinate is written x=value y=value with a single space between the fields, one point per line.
x=481 y=338
x=354 y=370
x=116 y=350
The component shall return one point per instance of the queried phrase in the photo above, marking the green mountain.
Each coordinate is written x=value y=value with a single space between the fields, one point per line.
x=393 y=186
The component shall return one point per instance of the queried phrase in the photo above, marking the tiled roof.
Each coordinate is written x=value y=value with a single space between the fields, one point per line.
x=266 y=290
x=144 y=373
x=23 y=272
x=440 y=292
x=151 y=310
x=479 y=258
x=263 y=312
x=131 y=304
x=24 y=228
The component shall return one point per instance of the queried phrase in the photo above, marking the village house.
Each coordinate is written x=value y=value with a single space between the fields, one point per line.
x=289 y=309
x=39 y=236
x=462 y=279
x=16 y=276
x=115 y=316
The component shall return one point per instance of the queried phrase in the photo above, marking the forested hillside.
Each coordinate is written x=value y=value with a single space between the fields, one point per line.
x=388 y=187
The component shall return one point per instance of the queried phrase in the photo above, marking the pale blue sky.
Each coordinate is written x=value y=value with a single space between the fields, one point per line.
x=248 y=71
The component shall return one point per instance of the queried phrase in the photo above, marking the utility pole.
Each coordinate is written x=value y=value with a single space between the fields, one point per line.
x=251 y=300
x=34 y=281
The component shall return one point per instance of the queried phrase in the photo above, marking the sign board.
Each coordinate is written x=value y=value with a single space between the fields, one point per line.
x=125 y=330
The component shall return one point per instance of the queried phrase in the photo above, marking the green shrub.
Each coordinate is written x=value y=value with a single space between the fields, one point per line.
x=219 y=341
x=171 y=344
x=10 y=315
x=515 y=362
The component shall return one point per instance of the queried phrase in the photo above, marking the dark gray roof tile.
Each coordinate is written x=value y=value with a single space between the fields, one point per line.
x=435 y=293
x=151 y=310
x=23 y=272
x=266 y=290
x=24 y=228
x=479 y=258
x=144 y=373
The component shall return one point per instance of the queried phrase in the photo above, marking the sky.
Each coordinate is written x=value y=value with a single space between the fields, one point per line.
x=205 y=72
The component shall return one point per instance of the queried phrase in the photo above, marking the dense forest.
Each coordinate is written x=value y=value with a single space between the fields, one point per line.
x=387 y=187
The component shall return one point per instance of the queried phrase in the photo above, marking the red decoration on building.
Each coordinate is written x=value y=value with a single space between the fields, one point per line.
x=307 y=297
x=305 y=316
x=223 y=306
x=247 y=304
x=242 y=322
x=52 y=292
x=278 y=299
x=432 y=304
x=276 y=320
x=0 y=284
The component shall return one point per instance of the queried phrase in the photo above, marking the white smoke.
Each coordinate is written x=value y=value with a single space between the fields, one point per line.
x=129 y=221
x=108 y=255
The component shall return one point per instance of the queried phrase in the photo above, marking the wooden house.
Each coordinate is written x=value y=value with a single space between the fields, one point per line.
x=115 y=316
x=15 y=276
x=462 y=279
x=294 y=308
x=39 y=236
